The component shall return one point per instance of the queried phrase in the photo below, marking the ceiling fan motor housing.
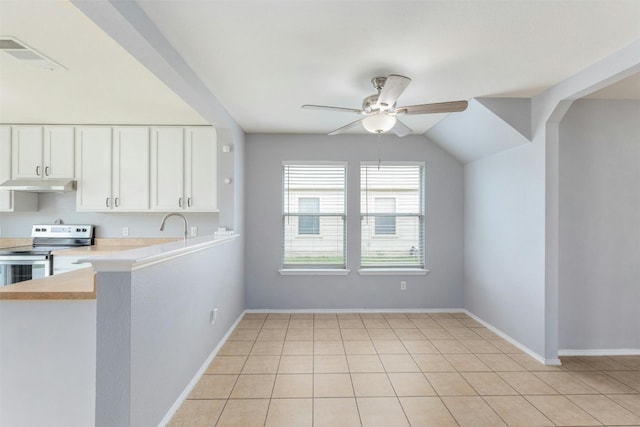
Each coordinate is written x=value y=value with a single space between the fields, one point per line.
x=378 y=83
x=370 y=103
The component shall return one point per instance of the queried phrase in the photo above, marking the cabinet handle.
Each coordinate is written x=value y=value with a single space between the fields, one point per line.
x=189 y=202
x=46 y=170
x=37 y=170
x=107 y=202
x=116 y=201
x=180 y=202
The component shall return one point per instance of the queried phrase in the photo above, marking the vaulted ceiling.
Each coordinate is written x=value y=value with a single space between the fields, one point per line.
x=262 y=59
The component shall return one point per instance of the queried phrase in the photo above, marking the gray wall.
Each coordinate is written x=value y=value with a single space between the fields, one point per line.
x=54 y=205
x=266 y=288
x=154 y=331
x=599 y=272
x=504 y=243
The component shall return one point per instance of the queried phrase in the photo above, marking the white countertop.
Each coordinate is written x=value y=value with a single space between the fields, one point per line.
x=135 y=259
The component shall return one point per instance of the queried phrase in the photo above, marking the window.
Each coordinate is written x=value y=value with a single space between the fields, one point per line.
x=314 y=216
x=385 y=224
x=308 y=224
x=392 y=215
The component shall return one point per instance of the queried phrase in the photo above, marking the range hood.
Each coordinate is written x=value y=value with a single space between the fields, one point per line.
x=39 y=186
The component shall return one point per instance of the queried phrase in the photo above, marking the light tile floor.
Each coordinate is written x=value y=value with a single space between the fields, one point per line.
x=400 y=369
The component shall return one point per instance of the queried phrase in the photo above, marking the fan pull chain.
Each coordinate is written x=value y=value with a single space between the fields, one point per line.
x=379 y=149
x=366 y=196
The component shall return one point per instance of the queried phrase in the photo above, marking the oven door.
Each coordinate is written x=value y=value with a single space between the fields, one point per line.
x=14 y=269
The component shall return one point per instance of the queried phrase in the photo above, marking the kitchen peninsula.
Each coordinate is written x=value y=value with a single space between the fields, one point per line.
x=119 y=343
x=72 y=285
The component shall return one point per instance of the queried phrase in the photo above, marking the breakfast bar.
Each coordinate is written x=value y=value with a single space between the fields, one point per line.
x=106 y=345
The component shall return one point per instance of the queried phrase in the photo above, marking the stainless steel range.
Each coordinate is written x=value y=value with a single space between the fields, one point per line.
x=22 y=263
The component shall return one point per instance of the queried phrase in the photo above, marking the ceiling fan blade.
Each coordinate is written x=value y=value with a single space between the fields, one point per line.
x=401 y=129
x=346 y=127
x=440 y=107
x=326 y=107
x=392 y=89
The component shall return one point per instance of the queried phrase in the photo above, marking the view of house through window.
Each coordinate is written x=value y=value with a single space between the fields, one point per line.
x=392 y=215
x=308 y=224
x=314 y=215
x=385 y=218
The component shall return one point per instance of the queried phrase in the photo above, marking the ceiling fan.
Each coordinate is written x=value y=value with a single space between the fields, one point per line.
x=380 y=109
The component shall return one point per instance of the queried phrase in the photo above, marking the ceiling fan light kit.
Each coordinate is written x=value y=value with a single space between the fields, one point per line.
x=380 y=109
x=379 y=123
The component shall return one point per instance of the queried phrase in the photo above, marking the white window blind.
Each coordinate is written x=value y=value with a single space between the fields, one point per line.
x=392 y=215
x=314 y=216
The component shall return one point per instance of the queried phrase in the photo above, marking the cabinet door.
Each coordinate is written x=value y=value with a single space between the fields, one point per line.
x=167 y=169
x=27 y=152
x=131 y=169
x=93 y=167
x=5 y=166
x=12 y=201
x=59 y=152
x=201 y=169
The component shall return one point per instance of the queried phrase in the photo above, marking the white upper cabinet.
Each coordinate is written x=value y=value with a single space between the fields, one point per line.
x=5 y=166
x=11 y=201
x=201 y=169
x=59 y=152
x=184 y=169
x=43 y=152
x=117 y=168
x=130 y=178
x=113 y=169
x=93 y=167
x=167 y=169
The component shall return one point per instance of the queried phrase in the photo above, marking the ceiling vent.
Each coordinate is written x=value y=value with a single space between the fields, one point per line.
x=24 y=53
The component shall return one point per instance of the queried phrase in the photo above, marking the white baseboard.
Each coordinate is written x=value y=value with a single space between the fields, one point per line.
x=183 y=396
x=602 y=352
x=517 y=344
x=359 y=310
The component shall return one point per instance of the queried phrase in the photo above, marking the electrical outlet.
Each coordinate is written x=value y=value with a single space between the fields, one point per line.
x=194 y=231
x=213 y=315
x=125 y=231
x=403 y=286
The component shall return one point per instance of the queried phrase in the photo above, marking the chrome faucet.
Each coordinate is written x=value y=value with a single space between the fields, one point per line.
x=186 y=225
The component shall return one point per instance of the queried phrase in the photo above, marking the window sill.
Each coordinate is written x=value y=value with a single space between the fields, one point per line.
x=313 y=272
x=393 y=272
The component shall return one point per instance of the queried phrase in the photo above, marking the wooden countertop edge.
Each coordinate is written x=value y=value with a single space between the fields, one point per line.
x=74 y=285
x=47 y=295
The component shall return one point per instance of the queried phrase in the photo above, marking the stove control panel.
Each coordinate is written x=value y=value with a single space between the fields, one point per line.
x=76 y=231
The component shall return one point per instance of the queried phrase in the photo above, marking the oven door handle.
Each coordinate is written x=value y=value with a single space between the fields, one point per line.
x=23 y=259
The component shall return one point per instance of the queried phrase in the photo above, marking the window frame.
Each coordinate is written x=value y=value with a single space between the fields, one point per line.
x=288 y=268
x=384 y=268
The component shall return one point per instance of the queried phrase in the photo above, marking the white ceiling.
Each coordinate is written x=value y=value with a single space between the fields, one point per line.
x=102 y=83
x=264 y=58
